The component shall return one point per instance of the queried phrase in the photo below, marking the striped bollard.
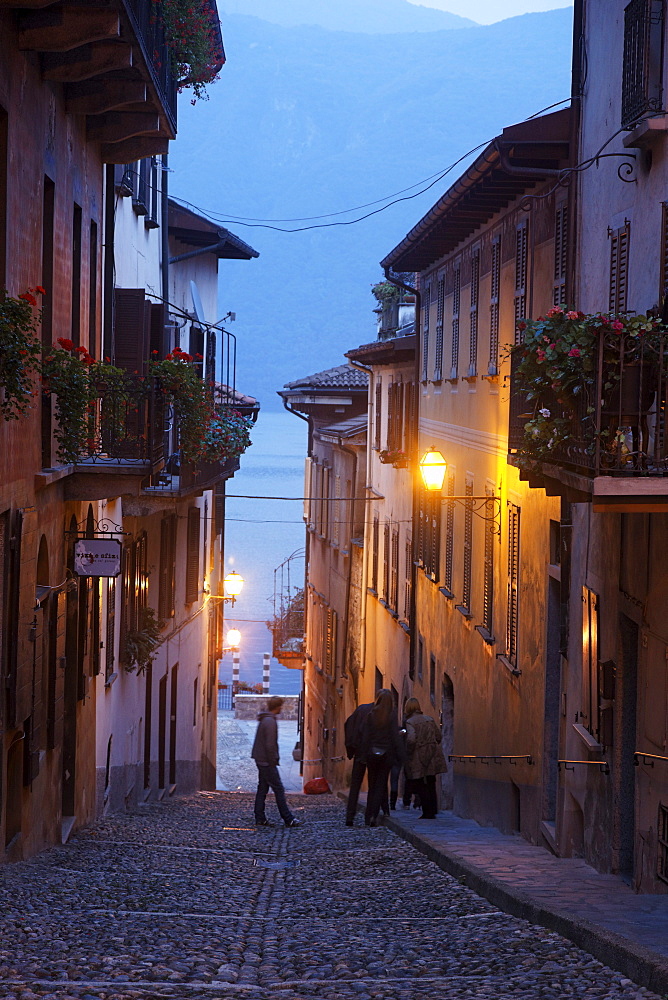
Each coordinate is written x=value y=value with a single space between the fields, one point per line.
x=235 y=674
x=266 y=660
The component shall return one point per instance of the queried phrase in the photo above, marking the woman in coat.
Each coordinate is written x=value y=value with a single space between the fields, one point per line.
x=425 y=758
x=382 y=746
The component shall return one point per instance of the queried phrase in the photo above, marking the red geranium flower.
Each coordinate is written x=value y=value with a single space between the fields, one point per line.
x=65 y=343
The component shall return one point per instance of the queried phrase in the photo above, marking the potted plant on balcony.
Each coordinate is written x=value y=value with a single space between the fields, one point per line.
x=193 y=40
x=184 y=389
x=556 y=370
x=226 y=436
x=385 y=292
x=395 y=457
x=19 y=351
x=141 y=642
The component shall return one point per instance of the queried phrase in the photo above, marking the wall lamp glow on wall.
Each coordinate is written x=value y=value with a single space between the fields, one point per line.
x=433 y=468
x=233 y=584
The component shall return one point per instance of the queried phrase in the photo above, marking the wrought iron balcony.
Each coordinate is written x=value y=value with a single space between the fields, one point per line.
x=642 y=71
x=610 y=442
x=125 y=427
x=151 y=37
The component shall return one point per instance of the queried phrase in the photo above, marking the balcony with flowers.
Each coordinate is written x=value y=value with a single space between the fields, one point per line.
x=588 y=408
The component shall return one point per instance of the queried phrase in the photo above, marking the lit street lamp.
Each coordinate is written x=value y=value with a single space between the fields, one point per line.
x=433 y=468
x=233 y=638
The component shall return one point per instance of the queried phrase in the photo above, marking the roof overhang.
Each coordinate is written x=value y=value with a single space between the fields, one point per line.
x=385 y=352
x=198 y=232
x=522 y=157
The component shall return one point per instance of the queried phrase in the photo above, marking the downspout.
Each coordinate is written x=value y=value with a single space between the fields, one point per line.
x=166 y=346
x=367 y=488
x=108 y=272
x=415 y=459
x=307 y=540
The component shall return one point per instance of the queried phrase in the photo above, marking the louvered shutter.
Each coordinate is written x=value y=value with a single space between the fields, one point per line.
x=374 y=554
x=438 y=344
x=456 y=301
x=386 y=563
x=475 y=297
x=130 y=329
x=378 y=414
x=513 y=582
x=210 y=363
x=192 y=556
x=425 y=334
x=495 y=289
x=449 y=532
x=167 y=567
x=619 y=268
x=521 y=270
x=394 y=571
x=560 y=255
x=488 y=575
x=157 y=335
x=468 y=546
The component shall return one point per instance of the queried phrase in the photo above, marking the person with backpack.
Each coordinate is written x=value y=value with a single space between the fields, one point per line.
x=381 y=747
x=425 y=757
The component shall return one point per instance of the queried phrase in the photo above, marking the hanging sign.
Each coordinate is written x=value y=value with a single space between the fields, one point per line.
x=97 y=557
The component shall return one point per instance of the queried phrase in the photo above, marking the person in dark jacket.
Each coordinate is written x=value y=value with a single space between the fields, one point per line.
x=425 y=756
x=265 y=755
x=382 y=746
x=353 y=730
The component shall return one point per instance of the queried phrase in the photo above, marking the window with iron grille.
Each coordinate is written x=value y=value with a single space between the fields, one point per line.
x=394 y=571
x=473 y=314
x=331 y=626
x=425 y=334
x=488 y=575
x=513 y=582
x=619 y=267
x=642 y=69
x=662 y=858
x=456 y=302
x=192 y=556
x=559 y=294
x=521 y=273
x=386 y=563
x=494 y=294
x=449 y=532
x=468 y=547
x=375 y=542
x=378 y=415
x=438 y=345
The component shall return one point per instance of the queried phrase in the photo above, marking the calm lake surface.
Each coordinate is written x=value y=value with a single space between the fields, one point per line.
x=260 y=534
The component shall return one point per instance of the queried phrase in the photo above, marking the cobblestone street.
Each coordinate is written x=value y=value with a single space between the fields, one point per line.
x=188 y=900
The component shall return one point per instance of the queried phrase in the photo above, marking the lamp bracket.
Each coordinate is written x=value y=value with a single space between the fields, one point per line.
x=479 y=507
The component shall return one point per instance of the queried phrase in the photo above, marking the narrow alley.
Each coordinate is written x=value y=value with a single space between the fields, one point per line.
x=186 y=899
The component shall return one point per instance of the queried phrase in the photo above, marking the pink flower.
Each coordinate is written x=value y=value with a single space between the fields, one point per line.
x=618 y=326
x=574 y=352
x=555 y=311
x=572 y=315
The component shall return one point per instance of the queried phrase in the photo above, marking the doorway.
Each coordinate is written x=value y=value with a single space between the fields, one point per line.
x=173 y=702
x=626 y=729
x=447 y=741
x=162 y=729
x=551 y=703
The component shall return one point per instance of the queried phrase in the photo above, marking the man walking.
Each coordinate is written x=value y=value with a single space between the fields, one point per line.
x=265 y=755
x=353 y=729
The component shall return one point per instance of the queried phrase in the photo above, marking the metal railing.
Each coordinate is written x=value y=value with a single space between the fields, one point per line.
x=642 y=91
x=151 y=36
x=615 y=424
x=125 y=425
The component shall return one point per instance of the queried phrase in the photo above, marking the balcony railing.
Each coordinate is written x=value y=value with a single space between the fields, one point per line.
x=151 y=36
x=615 y=425
x=125 y=426
x=642 y=71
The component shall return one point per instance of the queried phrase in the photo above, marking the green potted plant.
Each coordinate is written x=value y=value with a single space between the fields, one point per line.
x=20 y=351
x=193 y=41
x=226 y=436
x=141 y=643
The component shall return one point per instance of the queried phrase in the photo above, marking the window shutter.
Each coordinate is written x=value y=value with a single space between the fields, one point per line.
x=390 y=417
x=157 y=335
x=408 y=580
x=513 y=582
x=521 y=270
x=475 y=297
x=560 y=255
x=456 y=301
x=495 y=290
x=394 y=571
x=468 y=545
x=449 y=532
x=192 y=556
x=131 y=329
x=109 y=657
x=378 y=414
x=438 y=345
x=488 y=576
x=619 y=267
x=386 y=562
x=425 y=334
x=374 y=554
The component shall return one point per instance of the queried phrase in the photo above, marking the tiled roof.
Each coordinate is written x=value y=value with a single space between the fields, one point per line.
x=341 y=377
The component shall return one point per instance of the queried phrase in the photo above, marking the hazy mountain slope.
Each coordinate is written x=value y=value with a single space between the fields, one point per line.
x=305 y=121
x=368 y=16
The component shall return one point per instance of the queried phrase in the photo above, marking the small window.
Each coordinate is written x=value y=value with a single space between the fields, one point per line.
x=619 y=267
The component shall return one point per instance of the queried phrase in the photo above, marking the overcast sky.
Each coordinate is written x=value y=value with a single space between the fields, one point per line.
x=487 y=11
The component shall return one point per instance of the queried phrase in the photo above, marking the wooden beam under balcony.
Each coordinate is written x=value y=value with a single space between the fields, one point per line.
x=117 y=126
x=65 y=28
x=137 y=148
x=27 y=4
x=86 y=62
x=95 y=97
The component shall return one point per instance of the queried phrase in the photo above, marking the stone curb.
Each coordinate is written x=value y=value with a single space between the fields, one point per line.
x=642 y=965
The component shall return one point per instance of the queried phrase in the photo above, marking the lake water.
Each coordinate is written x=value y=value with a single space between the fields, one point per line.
x=260 y=534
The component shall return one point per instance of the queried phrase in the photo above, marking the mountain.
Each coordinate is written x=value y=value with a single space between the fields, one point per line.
x=367 y=16
x=305 y=121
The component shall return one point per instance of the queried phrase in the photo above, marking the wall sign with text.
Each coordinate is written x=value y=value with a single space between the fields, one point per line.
x=97 y=557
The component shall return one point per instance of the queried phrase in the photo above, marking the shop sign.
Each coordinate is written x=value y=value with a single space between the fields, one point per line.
x=97 y=557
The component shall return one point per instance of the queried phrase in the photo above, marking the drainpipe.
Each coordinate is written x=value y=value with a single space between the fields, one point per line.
x=367 y=488
x=307 y=539
x=415 y=485
x=166 y=346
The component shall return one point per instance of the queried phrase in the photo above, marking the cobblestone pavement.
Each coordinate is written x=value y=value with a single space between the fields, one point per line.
x=186 y=900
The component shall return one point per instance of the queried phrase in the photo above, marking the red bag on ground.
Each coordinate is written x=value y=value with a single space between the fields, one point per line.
x=317 y=786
